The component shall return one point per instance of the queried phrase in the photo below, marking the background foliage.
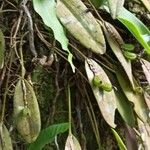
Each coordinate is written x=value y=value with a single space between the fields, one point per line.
x=74 y=74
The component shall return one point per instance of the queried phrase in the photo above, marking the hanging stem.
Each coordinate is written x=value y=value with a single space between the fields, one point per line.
x=21 y=56
x=6 y=87
x=69 y=108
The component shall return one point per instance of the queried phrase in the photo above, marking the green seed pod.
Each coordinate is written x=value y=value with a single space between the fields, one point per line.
x=129 y=55
x=97 y=81
x=106 y=87
x=127 y=47
x=26 y=111
x=5 y=140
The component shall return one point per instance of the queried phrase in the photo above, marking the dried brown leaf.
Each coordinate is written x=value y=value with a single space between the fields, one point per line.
x=26 y=110
x=5 y=140
x=106 y=100
x=72 y=143
x=81 y=24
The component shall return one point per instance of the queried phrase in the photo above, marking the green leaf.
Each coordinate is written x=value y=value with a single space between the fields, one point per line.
x=47 y=135
x=2 y=49
x=106 y=100
x=46 y=9
x=119 y=140
x=140 y=106
x=72 y=143
x=136 y=27
x=81 y=24
x=115 y=6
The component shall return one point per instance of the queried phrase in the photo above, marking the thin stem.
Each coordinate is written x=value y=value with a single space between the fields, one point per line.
x=6 y=87
x=21 y=57
x=101 y=19
x=69 y=108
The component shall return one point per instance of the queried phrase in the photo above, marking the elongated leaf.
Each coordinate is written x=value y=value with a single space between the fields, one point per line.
x=46 y=9
x=145 y=133
x=146 y=3
x=115 y=6
x=47 y=135
x=5 y=140
x=130 y=138
x=72 y=143
x=124 y=107
x=137 y=99
x=26 y=111
x=146 y=69
x=115 y=41
x=136 y=27
x=119 y=141
x=2 y=48
x=106 y=100
x=81 y=24
x=147 y=99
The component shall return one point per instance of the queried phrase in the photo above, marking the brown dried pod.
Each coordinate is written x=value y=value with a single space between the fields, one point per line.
x=26 y=111
x=5 y=140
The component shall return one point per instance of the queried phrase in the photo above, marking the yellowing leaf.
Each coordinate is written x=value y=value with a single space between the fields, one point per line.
x=81 y=24
x=28 y=123
x=2 y=48
x=147 y=4
x=147 y=99
x=115 y=41
x=146 y=69
x=140 y=106
x=5 y=140
x=106 y=100
x=145 y=133
x=72 y=143
x=115 y=6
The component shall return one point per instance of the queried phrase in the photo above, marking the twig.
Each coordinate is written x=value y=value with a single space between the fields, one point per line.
x=30 y=26
x=7 y=10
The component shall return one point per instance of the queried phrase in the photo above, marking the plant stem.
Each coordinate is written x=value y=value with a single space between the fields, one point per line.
x=69 y=108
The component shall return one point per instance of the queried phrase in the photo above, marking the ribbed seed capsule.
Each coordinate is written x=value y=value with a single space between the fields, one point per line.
x=102 y=85
x=26 y=111
x=97 y=81
x=129 y=55
x=128 y=47
x=5 y=140
x=106 y=87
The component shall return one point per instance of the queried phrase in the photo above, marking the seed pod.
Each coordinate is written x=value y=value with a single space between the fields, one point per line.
x=97 y=81
x=26 y=111
x=5 y=140
x=106 y=87
x=103 y=85
x=127 y=47
x=129 y=55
